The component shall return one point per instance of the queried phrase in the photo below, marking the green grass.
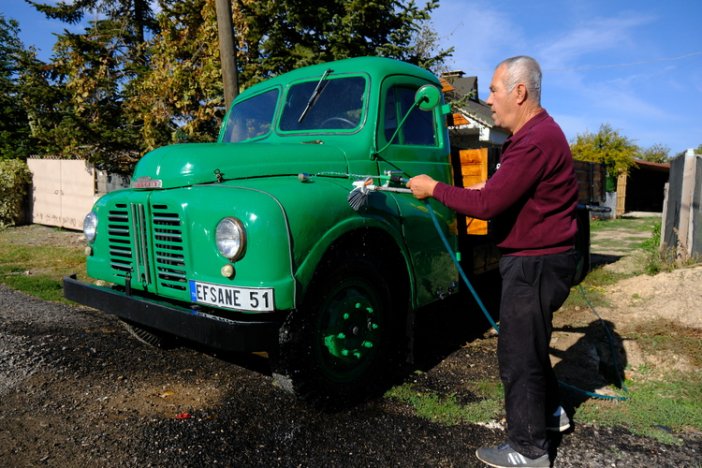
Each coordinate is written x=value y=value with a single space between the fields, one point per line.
x=447 y=410
x=37 y=268
x=644 y=224
x=655 y=408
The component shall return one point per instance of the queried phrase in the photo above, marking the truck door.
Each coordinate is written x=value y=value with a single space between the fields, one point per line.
x=419 y=145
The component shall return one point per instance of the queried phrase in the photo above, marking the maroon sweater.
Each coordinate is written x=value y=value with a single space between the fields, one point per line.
x=532 y=197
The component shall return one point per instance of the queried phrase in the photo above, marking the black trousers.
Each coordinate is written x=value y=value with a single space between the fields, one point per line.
x=533 y=288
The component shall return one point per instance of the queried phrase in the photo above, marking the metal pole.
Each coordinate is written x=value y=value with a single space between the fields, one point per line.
x=227 y=51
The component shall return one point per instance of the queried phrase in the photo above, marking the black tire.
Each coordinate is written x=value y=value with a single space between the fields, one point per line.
x=148 y=336
x=346 y=342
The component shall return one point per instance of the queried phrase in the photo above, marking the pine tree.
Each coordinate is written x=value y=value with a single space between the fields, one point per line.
x=15 y=138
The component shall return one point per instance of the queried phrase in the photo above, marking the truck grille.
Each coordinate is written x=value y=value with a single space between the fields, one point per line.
x=142 y=254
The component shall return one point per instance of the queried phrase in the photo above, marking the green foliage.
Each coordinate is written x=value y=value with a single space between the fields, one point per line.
x=656 y=154
x=657 y=259
x=14 y=181
x=15 y=141
x=135 y=16
x=606 y=146
x=181 y=95
x=277 y=36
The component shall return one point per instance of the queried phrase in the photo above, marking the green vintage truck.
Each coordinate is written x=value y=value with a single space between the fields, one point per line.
x=250 y=243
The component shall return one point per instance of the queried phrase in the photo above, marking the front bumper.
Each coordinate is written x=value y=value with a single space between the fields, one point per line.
x=257 y=333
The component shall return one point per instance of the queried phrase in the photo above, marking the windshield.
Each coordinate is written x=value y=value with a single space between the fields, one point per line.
x=251 y=118
x=338 y=105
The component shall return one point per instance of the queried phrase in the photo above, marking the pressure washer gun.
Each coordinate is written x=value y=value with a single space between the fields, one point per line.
x=392 y=182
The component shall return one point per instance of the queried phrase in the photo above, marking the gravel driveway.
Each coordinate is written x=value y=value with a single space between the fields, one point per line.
x=76 y=389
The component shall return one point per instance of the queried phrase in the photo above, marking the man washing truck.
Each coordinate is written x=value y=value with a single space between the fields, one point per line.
x=533 y=198
x=250 y=244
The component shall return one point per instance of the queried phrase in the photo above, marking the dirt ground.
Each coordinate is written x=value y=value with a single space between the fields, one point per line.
x=77 y=389
x=667 y=299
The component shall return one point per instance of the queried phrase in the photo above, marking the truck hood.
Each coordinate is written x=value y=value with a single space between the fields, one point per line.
x=200 y=163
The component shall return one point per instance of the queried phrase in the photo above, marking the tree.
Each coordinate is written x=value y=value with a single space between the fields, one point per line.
x=137 y=17
x=91 y=71
x=425 y=48
x=44 y=102
x=277 y=36
x=657 y=153
x=608 y=147
x=133 y=81
x=181 y=95
x=15 y=138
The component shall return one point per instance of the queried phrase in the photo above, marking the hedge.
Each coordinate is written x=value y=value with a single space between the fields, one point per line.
x=15 y=178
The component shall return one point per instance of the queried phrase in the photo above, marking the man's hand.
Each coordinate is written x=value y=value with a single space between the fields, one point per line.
x=422 y=186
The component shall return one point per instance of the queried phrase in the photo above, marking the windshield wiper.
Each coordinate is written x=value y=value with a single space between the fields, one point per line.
x=315 y=95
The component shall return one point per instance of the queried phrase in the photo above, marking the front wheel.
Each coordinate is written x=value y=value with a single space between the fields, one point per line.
x=343 y=344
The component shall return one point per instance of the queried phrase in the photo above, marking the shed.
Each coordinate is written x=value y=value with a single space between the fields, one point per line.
x=643 y=189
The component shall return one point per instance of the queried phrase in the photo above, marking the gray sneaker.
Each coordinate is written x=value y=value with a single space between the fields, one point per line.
x=558 y=421
x=504 y=456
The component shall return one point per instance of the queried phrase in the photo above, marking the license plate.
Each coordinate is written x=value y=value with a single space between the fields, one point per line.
x=250 y=299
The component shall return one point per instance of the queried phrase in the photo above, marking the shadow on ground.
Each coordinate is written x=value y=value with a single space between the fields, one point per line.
x=595 y=361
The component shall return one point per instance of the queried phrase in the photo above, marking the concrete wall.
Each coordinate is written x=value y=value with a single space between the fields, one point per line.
x=682 y=215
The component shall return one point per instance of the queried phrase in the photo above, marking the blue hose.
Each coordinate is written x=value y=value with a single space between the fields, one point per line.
x=460 y=270
x=495 y=326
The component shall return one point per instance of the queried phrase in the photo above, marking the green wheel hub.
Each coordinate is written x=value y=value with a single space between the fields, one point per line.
x=353 y=331
x=350 y=329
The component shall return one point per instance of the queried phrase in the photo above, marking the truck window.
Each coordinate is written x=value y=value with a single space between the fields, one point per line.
x=251 y=118
x=339 y=105
x=419 y=126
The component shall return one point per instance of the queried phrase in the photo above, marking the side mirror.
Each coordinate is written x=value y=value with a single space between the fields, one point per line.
x=427 y=97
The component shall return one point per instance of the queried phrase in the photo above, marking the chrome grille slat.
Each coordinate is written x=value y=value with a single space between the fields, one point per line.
x=159 y=235
x=121 y=252
x=121 y=266
x=169 y=260
x=139 y=241
x=118 y=234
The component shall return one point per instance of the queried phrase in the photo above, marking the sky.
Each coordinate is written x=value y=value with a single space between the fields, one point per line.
x=634 y=65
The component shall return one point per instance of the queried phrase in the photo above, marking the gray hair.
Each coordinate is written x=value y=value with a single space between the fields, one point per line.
x=525 y=70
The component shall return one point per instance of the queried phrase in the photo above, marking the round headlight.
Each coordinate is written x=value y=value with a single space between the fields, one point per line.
x=90 y=226
x=231 y=238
